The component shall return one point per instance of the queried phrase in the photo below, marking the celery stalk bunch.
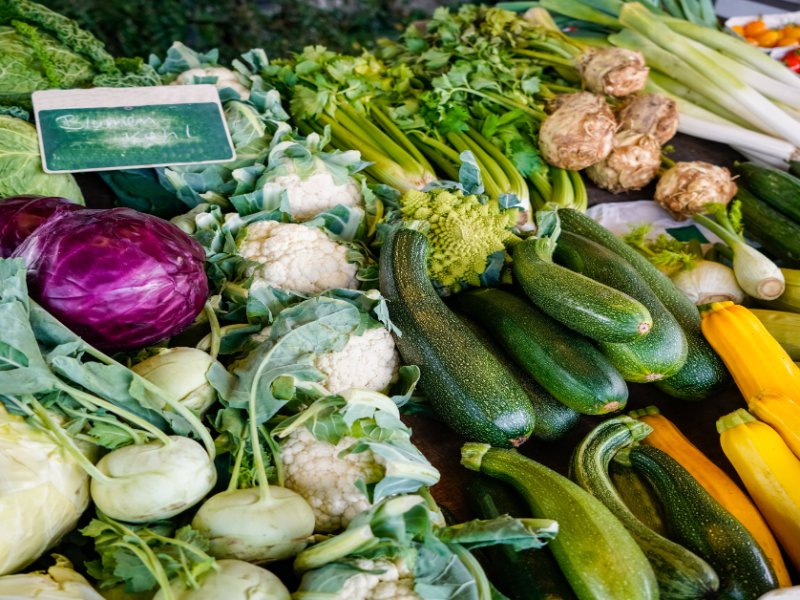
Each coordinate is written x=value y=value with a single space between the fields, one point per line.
x=477 y=80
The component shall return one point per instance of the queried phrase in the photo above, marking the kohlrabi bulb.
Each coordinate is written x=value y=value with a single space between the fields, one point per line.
x=152 y=481
x=579 y=133
x=181 y=373
x=241 y=524
x=234 y=580
x=43 y=492
x=59 y=582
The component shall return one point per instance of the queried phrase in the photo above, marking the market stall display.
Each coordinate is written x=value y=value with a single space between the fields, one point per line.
x=269 y=393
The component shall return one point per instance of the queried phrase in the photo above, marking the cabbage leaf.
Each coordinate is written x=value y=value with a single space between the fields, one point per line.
x=21 y=166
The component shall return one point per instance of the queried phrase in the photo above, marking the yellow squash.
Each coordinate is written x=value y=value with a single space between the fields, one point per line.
x=770 y=472
x=754 y=358
x=780 y=413
x=784 y=327
x=668 y=438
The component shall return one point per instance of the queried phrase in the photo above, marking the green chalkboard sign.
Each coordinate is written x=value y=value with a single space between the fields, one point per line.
x=102 y=129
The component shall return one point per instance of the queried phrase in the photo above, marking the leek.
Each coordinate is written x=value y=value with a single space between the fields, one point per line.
x=736 y=48
x=634 y=15
x=756 y=274
x=578 y=10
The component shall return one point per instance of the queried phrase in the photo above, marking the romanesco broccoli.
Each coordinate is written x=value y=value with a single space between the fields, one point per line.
x=463 y=232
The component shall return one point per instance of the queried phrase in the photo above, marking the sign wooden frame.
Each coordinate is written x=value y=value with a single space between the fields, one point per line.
x=199 y=98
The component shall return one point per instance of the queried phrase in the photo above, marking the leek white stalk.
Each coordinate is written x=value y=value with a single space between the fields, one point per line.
x=636 y=16
x=756 y=274
x=768 y=86
x=667 y=62
x=733 y=135
x=762 y=160
x=735 y=48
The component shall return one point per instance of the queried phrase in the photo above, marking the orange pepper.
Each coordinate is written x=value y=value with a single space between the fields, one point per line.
x=768 y=39
x=755 y=28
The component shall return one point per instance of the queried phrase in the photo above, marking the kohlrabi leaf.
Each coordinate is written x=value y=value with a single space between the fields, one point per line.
x=521 y=534
x=181 y=58
x=442 y=576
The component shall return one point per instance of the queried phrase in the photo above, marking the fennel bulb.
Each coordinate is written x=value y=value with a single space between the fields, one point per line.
x=43 y=492
x=181 y=373
x=59 y=582
x=242 y=524
x=233 y=580
x=149 y=482
x=708 y=282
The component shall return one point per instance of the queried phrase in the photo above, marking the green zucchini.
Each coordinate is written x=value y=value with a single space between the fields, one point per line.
x=774 y=186
x=662 y=352
x=553 y=419
x=638 y=496
x=700 y=524
x=597 y=555
x=704 y=374
x=528 y=575
x=464 y=383
x=777 y=234
x=592 y=309
x=562 y=361
x=794 y=168
x=680 y=573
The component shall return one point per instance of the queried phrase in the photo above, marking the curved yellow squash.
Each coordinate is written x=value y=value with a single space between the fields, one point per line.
x=770 y=472
x=754 y=358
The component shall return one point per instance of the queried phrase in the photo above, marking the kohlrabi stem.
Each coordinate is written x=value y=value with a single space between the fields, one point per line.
x=263 y=484
x=233 y=485
x=114 y=409
x=66 y=442
x=175 y=405
x=276 y=454
x=176 y=542
x=135 y=435
x=334 y=549
x=213 y=323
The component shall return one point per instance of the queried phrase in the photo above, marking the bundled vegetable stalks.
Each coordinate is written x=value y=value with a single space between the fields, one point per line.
x=477 y=80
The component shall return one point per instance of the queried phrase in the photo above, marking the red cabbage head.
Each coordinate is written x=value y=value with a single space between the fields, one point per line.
x=21 y=215
x=118 y=278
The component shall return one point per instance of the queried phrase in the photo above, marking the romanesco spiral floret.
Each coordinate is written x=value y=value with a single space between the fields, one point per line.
x=463 y=232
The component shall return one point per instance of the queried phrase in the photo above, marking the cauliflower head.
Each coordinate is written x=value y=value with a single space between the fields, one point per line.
x=313 y=469
x=225 y=78
x=395 y=583
x=369 y=361
x=296 y=257
x=318 y=193
x=463 y=232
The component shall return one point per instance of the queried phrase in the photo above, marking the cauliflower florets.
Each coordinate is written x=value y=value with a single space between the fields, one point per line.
x=395 y=583
x=369 y=361
x=313 y=470
x=296 y=257
x=318 y=193
x=225 y=78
